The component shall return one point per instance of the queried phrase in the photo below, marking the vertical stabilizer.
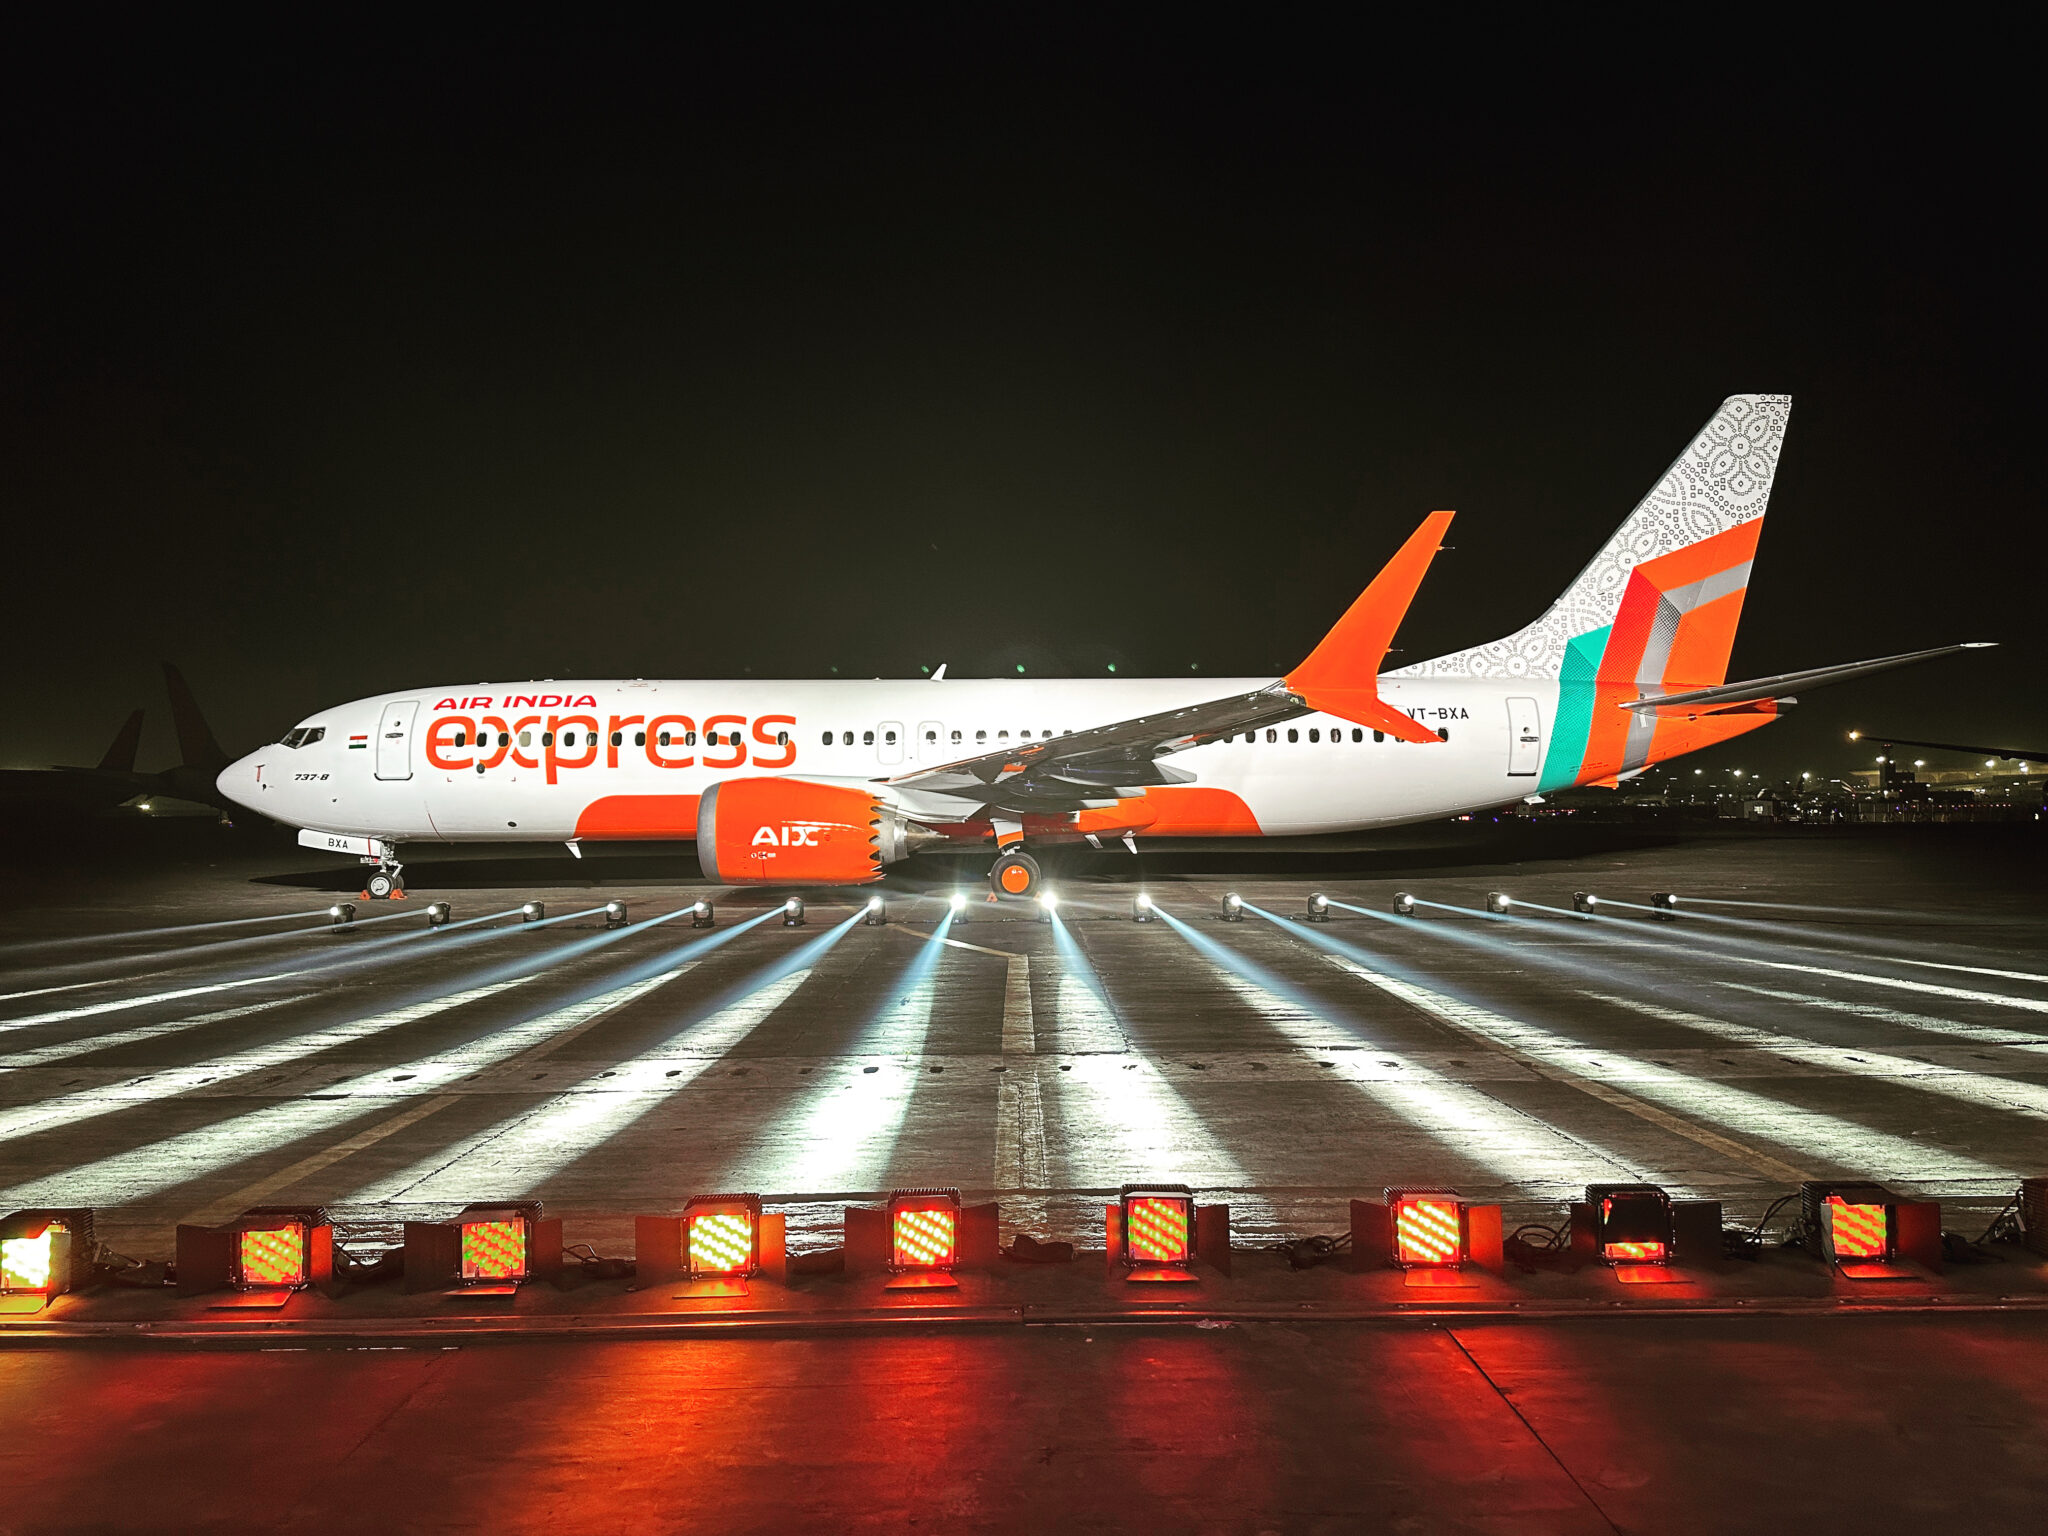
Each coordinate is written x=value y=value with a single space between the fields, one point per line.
x=196 y=746
x=120 y=757
x=1657 y=607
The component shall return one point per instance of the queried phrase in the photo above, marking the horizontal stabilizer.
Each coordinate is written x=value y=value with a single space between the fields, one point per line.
x=1786 y=683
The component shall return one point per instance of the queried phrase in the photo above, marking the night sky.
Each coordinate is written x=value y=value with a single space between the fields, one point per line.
x=347 y=362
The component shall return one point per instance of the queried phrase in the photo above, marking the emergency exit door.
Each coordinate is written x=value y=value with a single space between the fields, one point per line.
x=394 y=739
x=1525 y=738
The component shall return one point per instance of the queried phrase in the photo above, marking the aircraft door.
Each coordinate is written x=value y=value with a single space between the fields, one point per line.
x=394 y=739
x=931 y=741
x=889 y=741
x=1525 y=738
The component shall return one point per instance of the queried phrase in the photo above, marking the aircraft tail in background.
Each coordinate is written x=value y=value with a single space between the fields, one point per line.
x=120 y=757
x=196 y=746
x=1658 y=605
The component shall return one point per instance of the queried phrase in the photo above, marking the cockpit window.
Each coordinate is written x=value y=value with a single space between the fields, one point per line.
x=303 y=736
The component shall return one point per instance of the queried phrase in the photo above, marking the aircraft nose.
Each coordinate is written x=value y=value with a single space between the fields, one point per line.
x=242 y=781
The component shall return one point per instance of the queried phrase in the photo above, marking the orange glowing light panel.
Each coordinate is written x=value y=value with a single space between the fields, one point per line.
x=922 y=1239
x=1857 y=1231
x=26 y=1262
x=1427 y=1230
x=494 y=1250
x=722 y=1243
x=1156 y=1229
x=1634 y=1253
x=273 y=1256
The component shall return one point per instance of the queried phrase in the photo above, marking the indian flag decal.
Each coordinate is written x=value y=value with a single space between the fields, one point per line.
x=357 y=743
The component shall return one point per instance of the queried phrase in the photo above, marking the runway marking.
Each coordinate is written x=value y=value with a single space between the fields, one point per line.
x=522 y=1149
x=150 y=1169
x=43 y=1055
x=149 y=1087
x=1999 y=999
x=1963 y=1083
x=64 y=1015
x=1977 y=970
x=1846 y=1142
x=1988 y=1034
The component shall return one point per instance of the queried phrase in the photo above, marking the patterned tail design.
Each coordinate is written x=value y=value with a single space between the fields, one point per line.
x=1655 y=611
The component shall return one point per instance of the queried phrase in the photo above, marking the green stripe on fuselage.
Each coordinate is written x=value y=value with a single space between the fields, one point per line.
x=1574 y=722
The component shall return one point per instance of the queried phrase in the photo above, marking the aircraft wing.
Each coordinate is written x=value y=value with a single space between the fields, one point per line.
x=2011 y=754
x=1340 y=677
x=1781 y=688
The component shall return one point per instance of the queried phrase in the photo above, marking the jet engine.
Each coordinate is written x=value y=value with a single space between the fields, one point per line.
x=790 y=832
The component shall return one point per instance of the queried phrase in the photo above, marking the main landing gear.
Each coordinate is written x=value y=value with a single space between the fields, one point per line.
x=388 y=883
x=1015 y=876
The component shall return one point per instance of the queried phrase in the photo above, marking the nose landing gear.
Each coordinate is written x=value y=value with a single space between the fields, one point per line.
x=388 y=883
x=1015 y=876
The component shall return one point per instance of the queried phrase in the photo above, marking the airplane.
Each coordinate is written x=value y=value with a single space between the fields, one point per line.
x=67 y=791
x=832 y=782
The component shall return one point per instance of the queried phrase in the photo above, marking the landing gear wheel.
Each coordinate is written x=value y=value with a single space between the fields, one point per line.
x=1015 y=876
x=385 y=885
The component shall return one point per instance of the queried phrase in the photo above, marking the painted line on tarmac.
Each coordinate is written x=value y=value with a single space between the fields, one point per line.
x=1998 y=999
x=87 y=1044
x=64 y=1015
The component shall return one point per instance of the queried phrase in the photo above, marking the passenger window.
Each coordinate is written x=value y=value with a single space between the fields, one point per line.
x=661 y=740
x=1444 y=734
x=931 y=736
x=547 y=738
x=867 y=738
x=618 y=738
x=504 y=738
x=461 y=737
x=1271 y=737
x=526 y=738
x=1357 y=734
x=828 y=739
x=846 y=740
x=956 y=738
x=1026 y=735
x=1002 y=735
x=639 y=738
x=1293 y=734
x=1379 y=735
x=1314 y=734
x=889 y=737
x=980 y=737
x=782 y=738
x=689 y=738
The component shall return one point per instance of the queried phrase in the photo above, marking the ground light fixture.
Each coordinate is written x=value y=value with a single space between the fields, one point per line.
x=1142 y=910
x=1426 y=1228
x=263 y=1256
x=1233 y=907
x=875 y=913
x=341 y=914
x=438 y=914
x=1633 y=1227
x=497 y=1245
x=793 y=912
x=532 y=911
x=721 y=1244
x=43 y=1253
x=1851 y=1225
x=958 y=903
x=1048 y=905
x=1664 y=906
x=1498 y=901
x=701 y=914
x=924 y=1239
x=1584 y=901
x=1318 y=908
x=1404 y=904
x=615 y=914
x=1156 y=1225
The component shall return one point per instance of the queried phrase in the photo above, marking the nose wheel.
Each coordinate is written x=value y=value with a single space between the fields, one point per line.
x=1015 y=876
x=387 y=884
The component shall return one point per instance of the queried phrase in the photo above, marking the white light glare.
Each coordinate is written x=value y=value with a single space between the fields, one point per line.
x=1144 y=900
x=958 y=903
x=1049 y=901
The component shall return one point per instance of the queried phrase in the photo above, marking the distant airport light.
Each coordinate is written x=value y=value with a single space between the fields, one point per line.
x=1404 y=904
x=1426 y=1228
x=615 y=914
x=532 y=911
x=701 y=914
x=876 y=913
x=1142 y=910
x=924 y=1235
x=43 y=1253
x=143 y=807
x=438 y=914
x=1158 y=1226
x=722 y=1237
x=793 y=913
x=1318 y=908
x=1632 y=1223
x=1233 y=907
x=1584 y=901
x=1664 y=906
x=341 y=914
x=1498 y=901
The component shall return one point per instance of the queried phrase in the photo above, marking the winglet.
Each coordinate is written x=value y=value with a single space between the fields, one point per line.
x=1341 y=675
x=120 y=757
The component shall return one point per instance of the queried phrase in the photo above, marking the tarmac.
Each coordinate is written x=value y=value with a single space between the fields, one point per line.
x=1823 y=1006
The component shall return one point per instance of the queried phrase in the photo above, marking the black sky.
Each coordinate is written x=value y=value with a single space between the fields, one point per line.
x=345 y=362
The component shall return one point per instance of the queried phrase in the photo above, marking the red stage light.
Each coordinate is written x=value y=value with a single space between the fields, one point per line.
x=722 y=1236
x=1428 y=1228
x=272 y=1256
x=1632 y=1223
x=497 y=1244
x=924 y=1230
x=1634 y=1253
x=43 y=1254
x=1856 y=1233
x=1158 y=1226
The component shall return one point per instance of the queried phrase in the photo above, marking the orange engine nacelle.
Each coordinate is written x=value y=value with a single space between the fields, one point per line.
x=788 y=832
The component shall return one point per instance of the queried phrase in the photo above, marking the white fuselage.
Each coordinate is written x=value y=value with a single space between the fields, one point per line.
x=404 y=767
